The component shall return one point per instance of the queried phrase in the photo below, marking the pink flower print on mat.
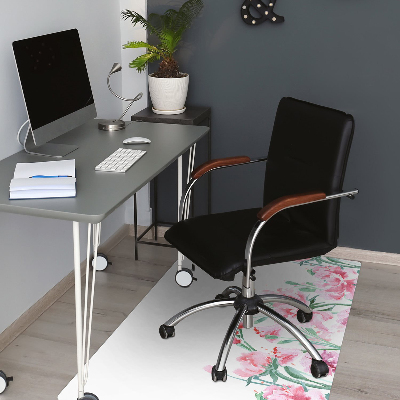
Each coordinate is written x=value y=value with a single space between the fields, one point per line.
x=284 y=309
x=281 y=364
x=294 y=392
x=319 y=320
x=269 y=333
x=341 y=319
x=337 y=282
x=284 y=355
x=236 y=340
x=253 y=363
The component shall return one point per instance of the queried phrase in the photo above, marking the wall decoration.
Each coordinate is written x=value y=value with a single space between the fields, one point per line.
x=266 y=12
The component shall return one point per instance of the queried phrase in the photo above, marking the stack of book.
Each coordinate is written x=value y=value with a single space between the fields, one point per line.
x=43 y=180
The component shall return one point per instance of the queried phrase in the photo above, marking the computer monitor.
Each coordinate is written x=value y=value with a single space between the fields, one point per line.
x=56 y=88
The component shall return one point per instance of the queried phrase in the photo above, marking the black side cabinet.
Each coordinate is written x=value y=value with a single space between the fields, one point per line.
x=192 y=116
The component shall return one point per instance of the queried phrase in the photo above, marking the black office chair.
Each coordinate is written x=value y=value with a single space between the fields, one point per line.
x=306 y=164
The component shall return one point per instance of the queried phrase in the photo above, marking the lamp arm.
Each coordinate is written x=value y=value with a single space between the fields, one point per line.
x=138 y=97
x=112 y=91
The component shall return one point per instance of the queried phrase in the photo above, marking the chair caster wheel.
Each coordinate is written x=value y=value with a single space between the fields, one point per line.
x=218 y=375
x=184 y=277
x=166 y=331
x=303 y=316
x=4 y=381
x=319 y=369
x=89 y=396
x=101 y=262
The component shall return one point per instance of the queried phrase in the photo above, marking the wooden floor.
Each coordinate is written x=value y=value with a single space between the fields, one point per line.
x=42 y=359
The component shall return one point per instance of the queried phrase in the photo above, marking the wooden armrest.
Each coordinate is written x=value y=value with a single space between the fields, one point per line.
x=288 y=201
x=219 y=162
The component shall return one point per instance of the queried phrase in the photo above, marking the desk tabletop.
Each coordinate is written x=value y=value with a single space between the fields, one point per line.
x=98 y=194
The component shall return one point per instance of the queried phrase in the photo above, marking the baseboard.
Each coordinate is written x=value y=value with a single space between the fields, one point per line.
x=149 y=235
x=34 y=312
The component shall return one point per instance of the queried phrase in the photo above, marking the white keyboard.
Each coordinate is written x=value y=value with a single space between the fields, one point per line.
x=121 y=160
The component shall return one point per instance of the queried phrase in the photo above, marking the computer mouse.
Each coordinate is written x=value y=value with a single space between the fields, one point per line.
x=136 y=140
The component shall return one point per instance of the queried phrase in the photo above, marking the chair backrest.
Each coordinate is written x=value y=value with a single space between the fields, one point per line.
x=309 y=148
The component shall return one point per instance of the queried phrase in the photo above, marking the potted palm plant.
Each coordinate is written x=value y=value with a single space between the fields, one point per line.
x=168 y=86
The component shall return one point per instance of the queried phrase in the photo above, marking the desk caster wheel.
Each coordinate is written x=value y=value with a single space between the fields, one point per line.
x=218 y=375
x=89 y=396
x=184 y=277
x=319 y=368
x=304 y=317
x=102 y=262
x=4 y=381
x=166 y=331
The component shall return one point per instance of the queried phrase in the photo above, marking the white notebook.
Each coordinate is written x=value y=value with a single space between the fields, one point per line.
x=44 y=180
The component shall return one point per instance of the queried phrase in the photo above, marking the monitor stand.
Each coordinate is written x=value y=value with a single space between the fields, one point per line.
x=47 y=149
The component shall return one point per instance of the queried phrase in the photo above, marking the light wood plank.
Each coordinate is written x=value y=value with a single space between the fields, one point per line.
x=34 y=312
x=58 y=325
x=367 y=363
x=151 y=254
x=366 y=371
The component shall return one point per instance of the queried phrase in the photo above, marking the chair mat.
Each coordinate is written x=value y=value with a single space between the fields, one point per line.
x=265 y=362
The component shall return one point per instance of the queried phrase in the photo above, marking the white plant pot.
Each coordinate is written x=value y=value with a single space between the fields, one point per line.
x=168 y=95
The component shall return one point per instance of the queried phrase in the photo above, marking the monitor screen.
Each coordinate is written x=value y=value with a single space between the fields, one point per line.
x=55 y=83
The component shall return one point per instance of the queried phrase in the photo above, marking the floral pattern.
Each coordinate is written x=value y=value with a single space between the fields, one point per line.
x=271 y=362
x=294 y=392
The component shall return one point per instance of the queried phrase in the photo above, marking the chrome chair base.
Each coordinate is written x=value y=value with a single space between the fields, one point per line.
x=246 y=308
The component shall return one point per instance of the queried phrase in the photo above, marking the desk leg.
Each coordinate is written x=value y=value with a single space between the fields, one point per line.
x=84 y=320
x=135 y=226
x=180 y=188
x=192 y=153
x=155 y=220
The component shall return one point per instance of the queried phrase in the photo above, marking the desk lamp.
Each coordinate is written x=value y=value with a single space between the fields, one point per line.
x=118 y=124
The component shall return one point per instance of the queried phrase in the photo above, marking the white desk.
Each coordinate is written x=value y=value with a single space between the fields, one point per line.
x=98 y=195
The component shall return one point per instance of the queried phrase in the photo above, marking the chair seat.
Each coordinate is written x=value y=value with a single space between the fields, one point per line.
x=216 y=243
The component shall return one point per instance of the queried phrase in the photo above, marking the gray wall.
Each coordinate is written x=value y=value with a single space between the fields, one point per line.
x=337 y=53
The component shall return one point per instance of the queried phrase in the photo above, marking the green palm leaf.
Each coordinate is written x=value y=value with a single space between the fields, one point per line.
x=140 y=63
x=169 y=28
x=139 y=44
x=170 y=40
x=136 y=18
